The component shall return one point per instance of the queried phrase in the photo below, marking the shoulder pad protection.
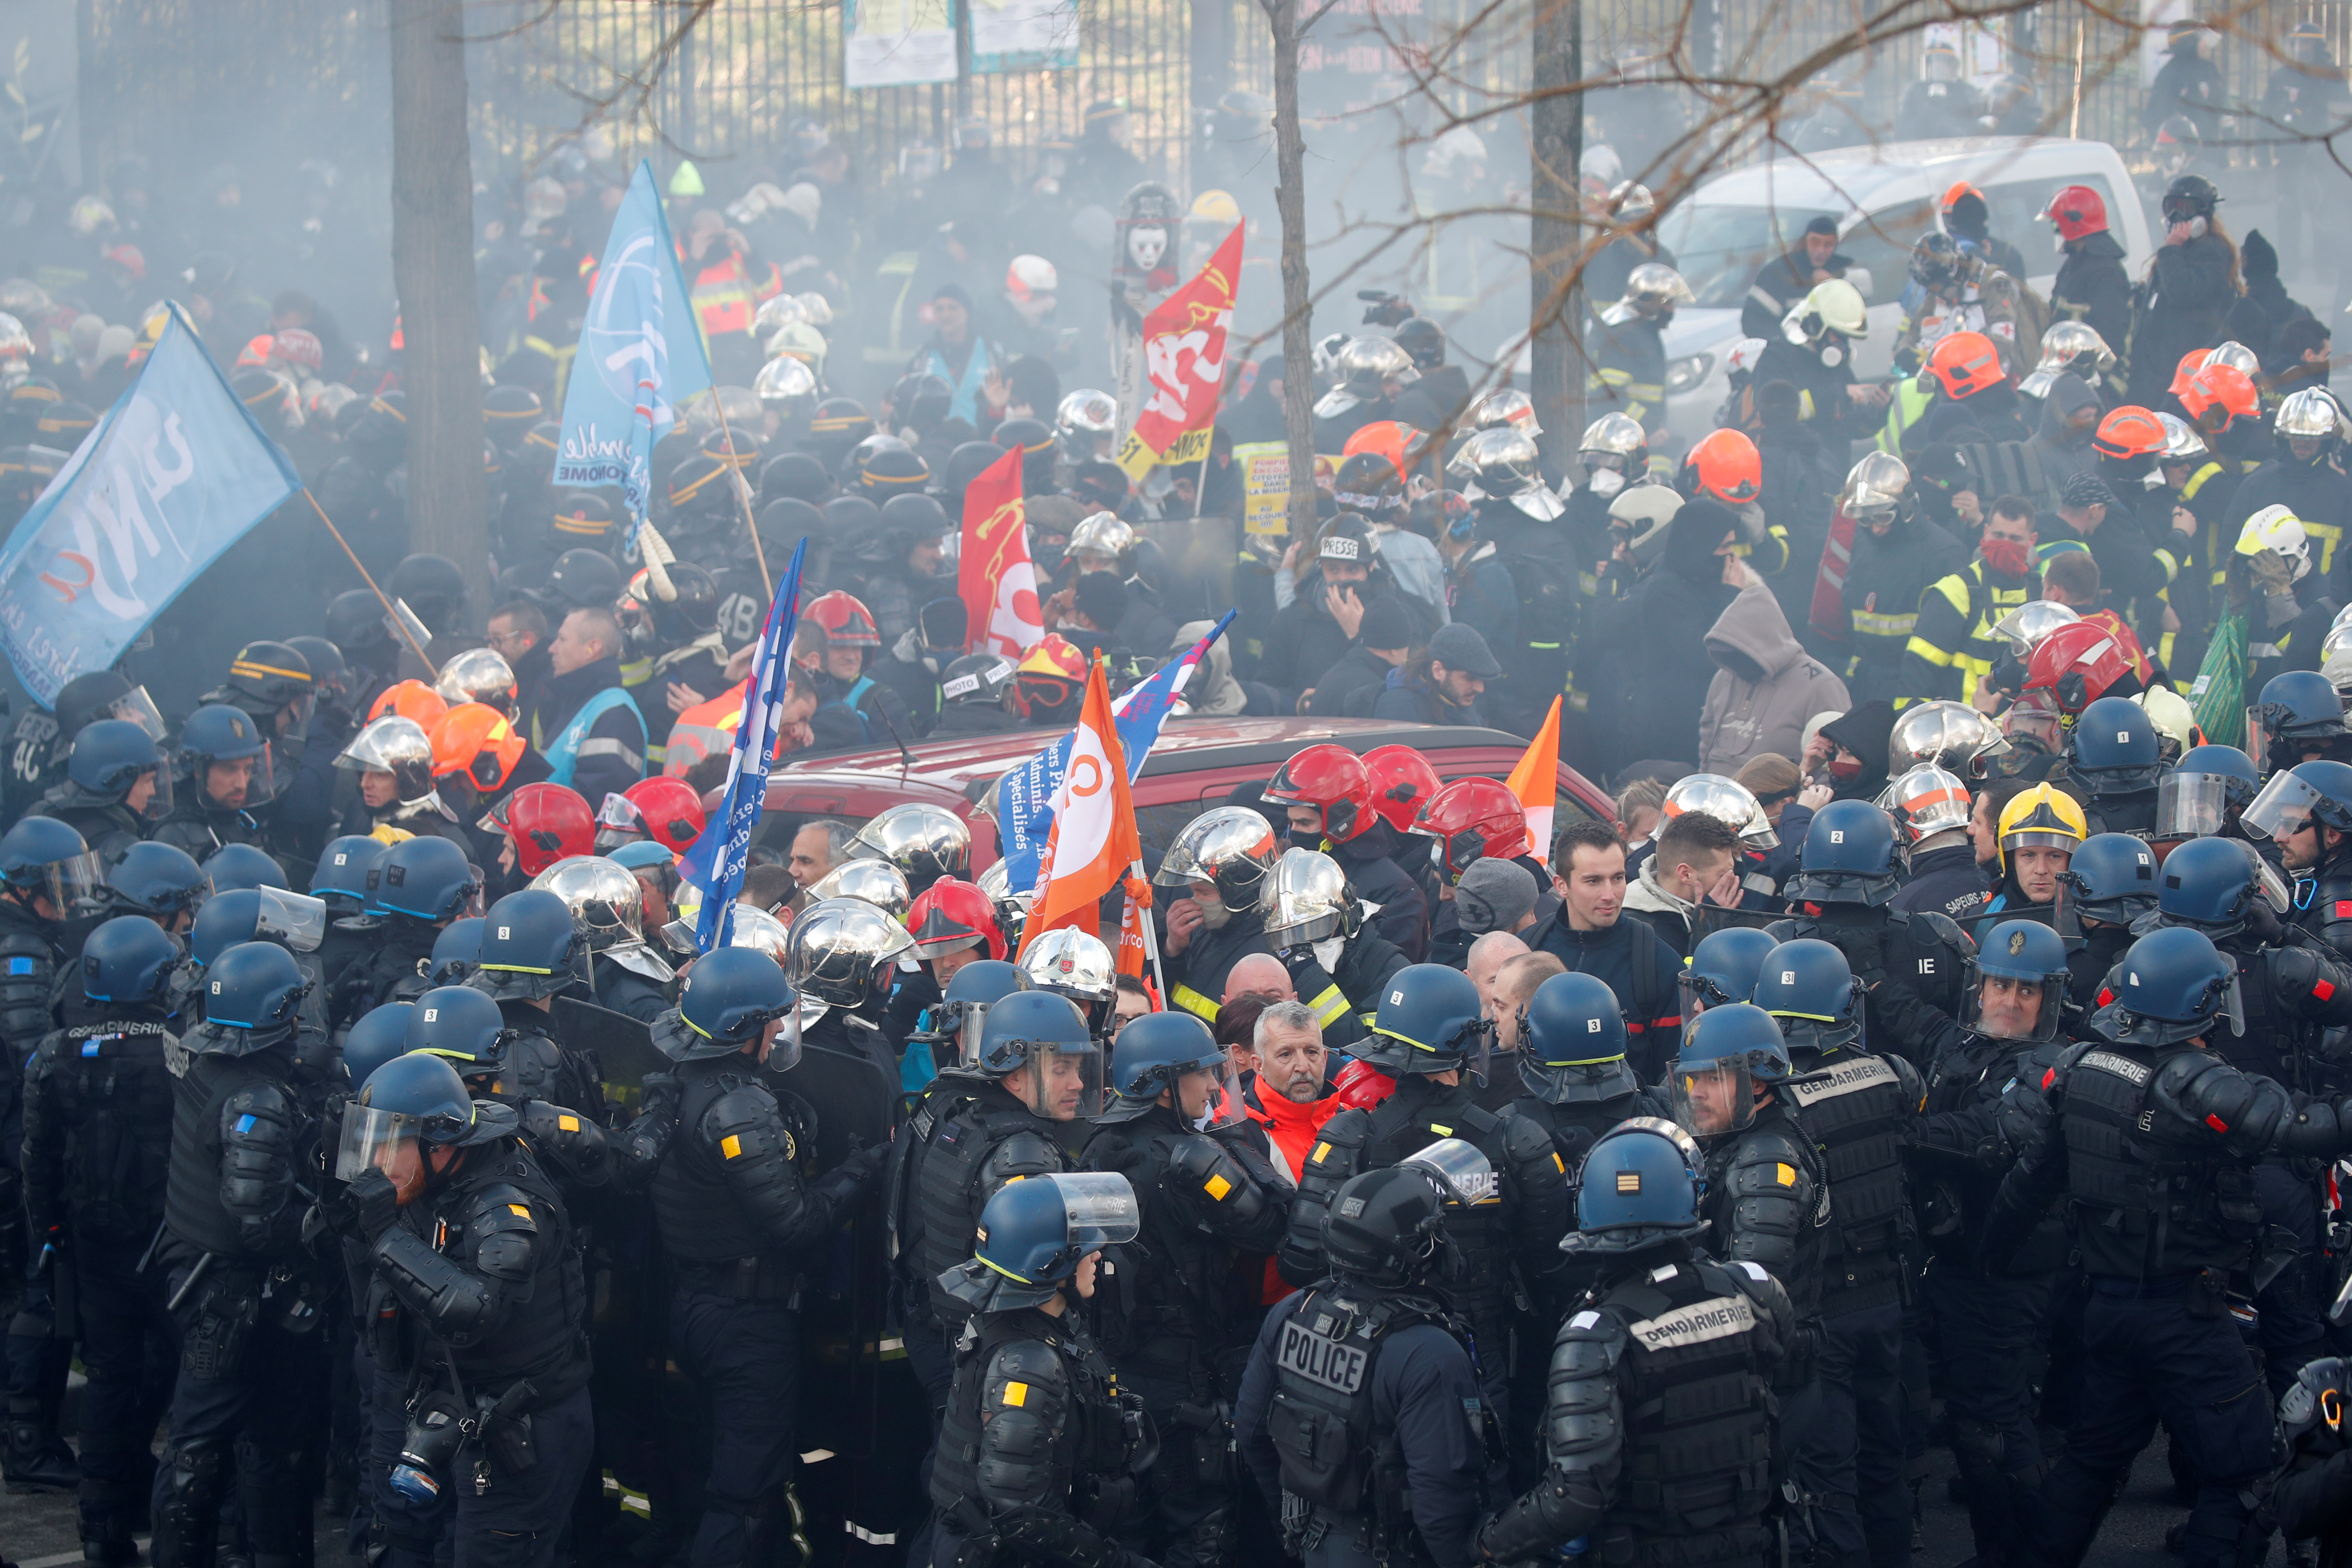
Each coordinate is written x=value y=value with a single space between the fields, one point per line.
x=1024 y=1375
x=1526 y=1141
x=1946 y=929
x=1025 y=1153
x=742 y=1109
x=2299 y=1407
x=258 y=1112
x=502 y=1224
x=1907 y=1077
x=1336 y=1146
x=2245 y=1109
x=1589 y=1343
x=2310 y=979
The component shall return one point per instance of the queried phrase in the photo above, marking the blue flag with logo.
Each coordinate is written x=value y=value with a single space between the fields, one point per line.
x=715 y=862
x=1024 y=797
x=640 y=356
x=175 y=473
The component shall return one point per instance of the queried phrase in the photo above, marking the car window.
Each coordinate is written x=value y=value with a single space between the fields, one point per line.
x=2015 y=205
x=1719 y=249
x=1881 y=243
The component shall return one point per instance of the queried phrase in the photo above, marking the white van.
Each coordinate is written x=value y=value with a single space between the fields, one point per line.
x=1883 y=198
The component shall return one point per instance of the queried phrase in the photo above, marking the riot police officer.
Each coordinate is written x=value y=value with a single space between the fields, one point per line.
x=422 y=886
x=2298 y=718
x=2305 y=819
x=1857 y=1109
x=1659 y=1323
x=1429 y=1035
x=1039 y=1453
x=473 y=1269
x=244 y=1142
x=1722 y=969
x=1572 y=1060
x=1339 y=961
x=1165 y=1314
x=1846 y=872
x=115 y=785
x=2113 y=754
x=224 y=774
x=531 y=951
x=466 y=1029
x=155 y=881
x=1352 y=1411
x=97 y=1141
x=740 y=1209
x=2108 y=883
x=2153 y=1137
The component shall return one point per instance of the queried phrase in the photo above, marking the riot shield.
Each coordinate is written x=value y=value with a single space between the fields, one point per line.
x=851 y=1098
x=621 y=1048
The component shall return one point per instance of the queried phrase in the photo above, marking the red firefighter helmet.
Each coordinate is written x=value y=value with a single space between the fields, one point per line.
x=2218 y=393
x=2078 y=211
x=670 y=811
x=547 y=822
x=2130 y=432
x=952 y=915
x=1475 y=819
x=1964 y=365
x=845 y=621
x=1400 y=780
x=2076 y=664
x=1726 y=466
x=1332 y=778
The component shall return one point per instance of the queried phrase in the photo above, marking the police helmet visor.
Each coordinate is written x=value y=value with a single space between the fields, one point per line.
x=964 y=1023
x=2273 y=885
x=63 y=883
x=161 y=796
x=783 y=1050
x=1700 y=992
x=294 y=921
x=1462 y=1176
x=139 y=708
x=1098 y=1209
x=2282 y=809
x=1059 y=1082
x=2191 y=805
x=618 y=822
x=1712 y=1099
x=233 y=784
x=2003 y=1007
x=1207 y=1094
x=390 y=1141
x=404 y=624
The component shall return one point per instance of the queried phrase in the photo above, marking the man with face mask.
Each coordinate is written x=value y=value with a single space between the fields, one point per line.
x=1953 y=645
x=1221 y=857
x=2071 y=412
x=1898 y=554
x=1328 y=796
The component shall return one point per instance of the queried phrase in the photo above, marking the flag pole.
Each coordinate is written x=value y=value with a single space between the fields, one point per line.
x=406 y=636
x=1150 y=937
x=750 y=524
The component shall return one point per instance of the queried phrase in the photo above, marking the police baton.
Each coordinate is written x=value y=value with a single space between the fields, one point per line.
x=204 y=1264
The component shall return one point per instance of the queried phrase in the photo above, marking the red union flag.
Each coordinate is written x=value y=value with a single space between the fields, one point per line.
x=1184 y=354
x=994 y=575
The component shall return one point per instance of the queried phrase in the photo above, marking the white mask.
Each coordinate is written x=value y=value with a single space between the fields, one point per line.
x=1145 y=245
x=1605 y=482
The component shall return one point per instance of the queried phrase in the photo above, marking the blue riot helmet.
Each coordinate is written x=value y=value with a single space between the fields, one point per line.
x=225 y=759
x=1727 y=1051
x=1640 y=1184
x=128 y=961
x=456 y=952
x=1810 y=989
x=2175 y=985
x=2015 y=983
x=2116 y=748
x=1573 y=1042
x=41 y=858
x=1034 y=1235
x=1037 y=1042
x=2205 y=791
x=961 y=1014
x=1174 y=1054
x=428 y=878
x=1722 y=969
x=412 y=1105
x=2298 y=715
x=162 y=881
x=293 y=920
x=252 y=997
x=242 y=866
x=459 y=1025
x=2212 y=885
x=531 y=949
x=2111 y=878
x=729 y=999
x=2293 y=801
x=340 y=878
x=1430 y=1020
x=107 y=760
x=377 y=1036
x=1848 y=857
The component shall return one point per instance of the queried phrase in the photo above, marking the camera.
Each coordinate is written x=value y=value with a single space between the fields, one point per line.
x=437 y=1425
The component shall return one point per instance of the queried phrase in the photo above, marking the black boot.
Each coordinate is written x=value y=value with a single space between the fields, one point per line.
x=187 y=1509
x=35 y=1459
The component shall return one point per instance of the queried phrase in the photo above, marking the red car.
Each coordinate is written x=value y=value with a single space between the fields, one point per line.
x=1195 y=765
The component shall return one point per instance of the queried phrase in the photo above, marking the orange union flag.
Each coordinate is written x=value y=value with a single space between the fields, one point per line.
x=994 y=575
x=1184 y=354
x=1094 y=846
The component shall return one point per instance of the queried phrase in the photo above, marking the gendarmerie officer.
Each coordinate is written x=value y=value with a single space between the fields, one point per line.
x=531 y=951
x=1168 y=1313
x=1572 y=1053
x=2308 y=817
x=2154 y=1137
x=245 y=1162
x=740 y=1209
x=98 y=1145
x=1667 y=1356
x=476 y=1280
x=1040 y=1455
x=115 y=786
x=1351 y=1415
x=422 y=885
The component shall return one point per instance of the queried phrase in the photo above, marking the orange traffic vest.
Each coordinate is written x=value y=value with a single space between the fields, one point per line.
x=723 y=300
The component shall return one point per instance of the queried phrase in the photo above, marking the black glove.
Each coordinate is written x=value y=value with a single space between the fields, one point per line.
x=375 y=1204
x=660 y=1090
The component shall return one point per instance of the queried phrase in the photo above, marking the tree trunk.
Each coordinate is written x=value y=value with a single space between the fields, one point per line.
x=433 y=267
x=1556 y=382
x=1290 y=204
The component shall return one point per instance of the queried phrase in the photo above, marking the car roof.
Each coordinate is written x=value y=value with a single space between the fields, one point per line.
x=1865 y=178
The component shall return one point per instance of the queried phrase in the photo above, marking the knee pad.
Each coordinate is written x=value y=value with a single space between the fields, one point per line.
x=197 y=1467
x=1977 y=1444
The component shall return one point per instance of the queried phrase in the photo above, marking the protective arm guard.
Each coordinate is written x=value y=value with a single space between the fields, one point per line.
x=1908 y=1027
x=1329 y=1162
x=1968 y=1137
x=1534 y=1185
x=1583 y=1432
x=2313 y=982
x=1024 y=1405
x=27 y=972
x=1014 y=1158
x=756 y=1156
x=2038 y=1176
x=457 y=1304
x=2251 y=1115
x=44 y=1163
x=574 y=1144
x=258 y=1128
x=638 y=1148
x=1227 y=1189
x=1774 y=1195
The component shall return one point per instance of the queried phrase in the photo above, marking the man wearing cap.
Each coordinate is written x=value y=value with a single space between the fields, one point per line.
x=2131 y=576
x=1337 y=586
x=1789 y=278
x=1445 y=685
x=957 y=355
x=1494 y=898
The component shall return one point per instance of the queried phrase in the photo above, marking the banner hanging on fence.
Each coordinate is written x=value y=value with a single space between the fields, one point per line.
x=898 y=43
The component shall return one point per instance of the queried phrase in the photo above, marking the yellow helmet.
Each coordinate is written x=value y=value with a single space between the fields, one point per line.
x=1215 y=206
x=2042 y=816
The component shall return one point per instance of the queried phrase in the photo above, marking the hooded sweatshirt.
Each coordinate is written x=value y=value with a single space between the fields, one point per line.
x=1765 y=687
x=1674 y=918
x=2064 y=453
x=1663 y=685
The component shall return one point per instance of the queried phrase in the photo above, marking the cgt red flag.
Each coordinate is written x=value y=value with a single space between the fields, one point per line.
x=994 y=575
x=1184 y=354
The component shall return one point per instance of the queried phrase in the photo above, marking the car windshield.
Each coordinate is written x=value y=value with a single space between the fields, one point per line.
x=1719 y=249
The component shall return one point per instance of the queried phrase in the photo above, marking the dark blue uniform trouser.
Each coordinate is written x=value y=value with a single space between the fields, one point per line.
x=2149 y=1356
x=1845 y=1443
x=1988 y=1334
x=2289 y=1327
x=746 y=1357
x=928 y=1353
x=1181 y=1520
x=519 y=1519
x=125 y=1333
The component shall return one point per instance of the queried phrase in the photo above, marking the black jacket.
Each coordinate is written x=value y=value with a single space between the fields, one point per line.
x=1631 y=961
x=2181 y=305
x=2093 y=288
x=611 y=756
x=1652 y=704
